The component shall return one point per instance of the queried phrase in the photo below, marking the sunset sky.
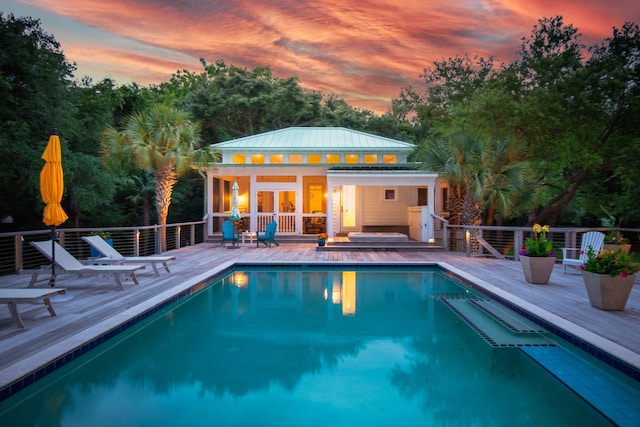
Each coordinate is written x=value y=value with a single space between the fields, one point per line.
x=364 y=51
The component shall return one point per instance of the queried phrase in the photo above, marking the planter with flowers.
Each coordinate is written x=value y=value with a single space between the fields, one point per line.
x=537 y=258
x=614 y=240
x=608 y=277
x=322 y=239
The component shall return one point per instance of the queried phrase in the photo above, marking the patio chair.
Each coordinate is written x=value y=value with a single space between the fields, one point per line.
x=593 y=239
x=229 y=233
x=111 y=256
x=70 y=265
x=13 y=297
x=269 y=235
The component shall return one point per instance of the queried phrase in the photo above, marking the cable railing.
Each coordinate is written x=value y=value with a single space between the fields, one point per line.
x=17 y=254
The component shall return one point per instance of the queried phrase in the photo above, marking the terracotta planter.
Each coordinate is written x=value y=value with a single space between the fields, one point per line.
x=626 y=248
x=606 y=292
x=537 y=269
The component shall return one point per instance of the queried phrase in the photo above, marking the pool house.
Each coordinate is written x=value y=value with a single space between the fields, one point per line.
x=323 y=180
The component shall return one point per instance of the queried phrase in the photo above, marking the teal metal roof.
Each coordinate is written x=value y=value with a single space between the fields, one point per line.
x=315 y=139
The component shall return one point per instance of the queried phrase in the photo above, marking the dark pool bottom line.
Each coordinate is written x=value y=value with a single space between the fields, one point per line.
x=28 y=379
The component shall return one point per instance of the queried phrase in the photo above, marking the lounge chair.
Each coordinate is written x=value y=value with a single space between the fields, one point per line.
x=71 y=265
x=593 y=239
x=229 y=233
x=13 y=297
x=269 y=235
x=111 y=255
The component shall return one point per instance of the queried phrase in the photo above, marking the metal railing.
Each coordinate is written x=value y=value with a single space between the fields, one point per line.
x=506 y=242
x=17 y=254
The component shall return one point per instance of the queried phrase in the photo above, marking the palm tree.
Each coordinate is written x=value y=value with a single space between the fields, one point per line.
x=484 y=175
x=162 y=139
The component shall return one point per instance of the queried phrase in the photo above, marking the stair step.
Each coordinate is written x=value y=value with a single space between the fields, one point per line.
x=508 y=318
x=494 y=330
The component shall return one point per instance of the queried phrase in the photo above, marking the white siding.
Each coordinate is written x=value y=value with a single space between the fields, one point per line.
x=377 y=211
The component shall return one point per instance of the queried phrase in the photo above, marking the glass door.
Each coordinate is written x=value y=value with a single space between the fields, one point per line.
x=349 y=213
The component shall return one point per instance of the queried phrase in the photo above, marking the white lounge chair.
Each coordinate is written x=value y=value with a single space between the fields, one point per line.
x=111 y=255
x=71 y=265
x=13 y=297
x=593 y=239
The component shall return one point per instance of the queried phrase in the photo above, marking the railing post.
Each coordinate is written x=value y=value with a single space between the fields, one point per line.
x=17 y=247
x=467 y=241
x=517 y=244
x=136 y=242
x=178 y=234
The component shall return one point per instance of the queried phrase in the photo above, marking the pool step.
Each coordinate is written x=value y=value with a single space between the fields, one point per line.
x=508 y=318
x=609 y=395
x=500 y=327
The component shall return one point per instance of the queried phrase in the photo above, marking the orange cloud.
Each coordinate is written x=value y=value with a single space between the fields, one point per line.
x=364 y=51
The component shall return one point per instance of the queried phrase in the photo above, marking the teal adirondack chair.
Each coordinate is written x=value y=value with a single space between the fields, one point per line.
x=269 y=235
x=229 y=234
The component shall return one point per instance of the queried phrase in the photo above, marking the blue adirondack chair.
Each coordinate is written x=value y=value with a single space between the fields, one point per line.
x=269 y=235
x=229 y=234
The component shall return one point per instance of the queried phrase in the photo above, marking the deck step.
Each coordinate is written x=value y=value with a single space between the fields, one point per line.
x=378 y=247
x=493 y=327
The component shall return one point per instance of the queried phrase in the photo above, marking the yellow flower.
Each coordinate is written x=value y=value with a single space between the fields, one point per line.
x=537 y=228
x=545 y=228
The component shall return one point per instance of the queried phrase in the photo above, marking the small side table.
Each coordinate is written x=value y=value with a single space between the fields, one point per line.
x=250 y=234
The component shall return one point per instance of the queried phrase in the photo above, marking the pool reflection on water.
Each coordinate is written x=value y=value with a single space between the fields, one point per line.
x=316 y=347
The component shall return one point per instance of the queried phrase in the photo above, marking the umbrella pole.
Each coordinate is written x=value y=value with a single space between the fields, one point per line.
x=54 y=239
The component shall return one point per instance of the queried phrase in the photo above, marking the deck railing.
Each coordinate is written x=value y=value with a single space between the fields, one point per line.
x=17 y=254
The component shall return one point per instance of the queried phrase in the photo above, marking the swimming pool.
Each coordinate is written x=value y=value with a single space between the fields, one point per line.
x=305 y=345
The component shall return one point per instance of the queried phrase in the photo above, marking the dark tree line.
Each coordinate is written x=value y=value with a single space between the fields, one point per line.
x=564 y=117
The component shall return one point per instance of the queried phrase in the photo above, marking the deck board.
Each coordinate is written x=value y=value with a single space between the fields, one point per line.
x=95 y=299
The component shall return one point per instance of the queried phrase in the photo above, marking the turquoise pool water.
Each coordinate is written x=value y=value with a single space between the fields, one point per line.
x=300 y=347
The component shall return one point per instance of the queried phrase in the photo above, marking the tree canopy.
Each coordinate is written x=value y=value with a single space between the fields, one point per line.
x=567 y=112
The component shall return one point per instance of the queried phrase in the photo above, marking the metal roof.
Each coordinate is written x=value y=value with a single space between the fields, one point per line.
x=315 y=139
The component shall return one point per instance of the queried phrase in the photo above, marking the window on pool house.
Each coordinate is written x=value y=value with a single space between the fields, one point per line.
x=371 y=158
x=351 y=158
x=314 y=158
x=333 y=158
x=239 y=159
x=295 y=159
x=276 y=159
x=257 y=159
x=389 y=158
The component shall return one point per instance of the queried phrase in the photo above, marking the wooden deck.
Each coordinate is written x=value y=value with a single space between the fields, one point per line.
x=97 y=304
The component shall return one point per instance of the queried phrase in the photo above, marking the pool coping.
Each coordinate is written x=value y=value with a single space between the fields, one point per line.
x=24 y=372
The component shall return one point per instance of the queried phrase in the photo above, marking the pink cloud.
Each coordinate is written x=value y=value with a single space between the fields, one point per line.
x=364 y=51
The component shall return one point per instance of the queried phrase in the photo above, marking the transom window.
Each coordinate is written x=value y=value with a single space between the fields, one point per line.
x=314 y=158
x=371 y=158
x=276 y=159
x=239 y=159
x=351 y=158
x=333 y=158
x=257 y=159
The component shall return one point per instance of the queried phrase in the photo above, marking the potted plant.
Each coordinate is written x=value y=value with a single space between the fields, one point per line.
x=608 y=277
x=322 y=239
x=614 y=240
x=537 y=258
